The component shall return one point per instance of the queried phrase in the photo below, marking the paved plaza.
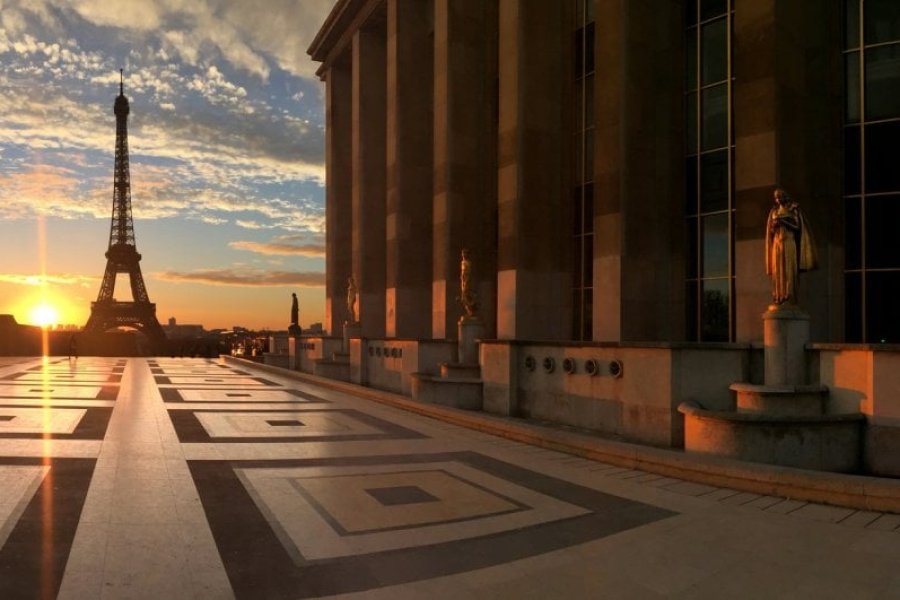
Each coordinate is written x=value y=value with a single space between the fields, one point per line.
x=192 y=478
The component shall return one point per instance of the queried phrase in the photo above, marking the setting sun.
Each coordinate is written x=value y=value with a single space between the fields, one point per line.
x=44 y=315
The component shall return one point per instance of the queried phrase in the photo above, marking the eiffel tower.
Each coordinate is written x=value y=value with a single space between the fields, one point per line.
x=122 y=256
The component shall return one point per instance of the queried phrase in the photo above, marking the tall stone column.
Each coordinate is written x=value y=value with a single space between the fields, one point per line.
x=368 y=181
x=409 y=169
x=465 y=182
x=533 y=280
x=788 y=73
x=638 y=162
x=338 y=201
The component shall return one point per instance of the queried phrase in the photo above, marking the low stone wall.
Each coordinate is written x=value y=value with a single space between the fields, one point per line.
x=389 y=364
x=866 y=378
x=305 y=351
x=552 y=382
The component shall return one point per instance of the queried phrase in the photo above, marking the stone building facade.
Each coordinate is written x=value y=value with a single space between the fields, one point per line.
x=609 y=165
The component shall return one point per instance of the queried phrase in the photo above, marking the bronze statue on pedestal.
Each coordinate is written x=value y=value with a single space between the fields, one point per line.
x=790 y=248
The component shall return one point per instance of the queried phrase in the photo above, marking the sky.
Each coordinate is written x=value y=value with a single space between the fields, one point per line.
x=226 y=141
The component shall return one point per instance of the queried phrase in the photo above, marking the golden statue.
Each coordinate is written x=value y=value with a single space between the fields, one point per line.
x=352 y=293
x=467 y=297
x=790 y=247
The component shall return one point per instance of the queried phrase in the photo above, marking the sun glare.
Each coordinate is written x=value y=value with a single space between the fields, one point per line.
x=44 y=315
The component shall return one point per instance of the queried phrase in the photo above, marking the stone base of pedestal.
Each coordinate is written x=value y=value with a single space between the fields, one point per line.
x=351 y=330
x=463 y=393
x=785 y=335
x=460 y=371
x=470 y=330
x=277 y=359
x=781 y=400
x=336 y=367
x=294 y=330
x=820 y=443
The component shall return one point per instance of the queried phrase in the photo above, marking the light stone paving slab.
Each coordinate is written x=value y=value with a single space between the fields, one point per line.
x=145 y=529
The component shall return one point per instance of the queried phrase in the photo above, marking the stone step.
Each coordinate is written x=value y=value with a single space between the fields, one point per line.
x=333 y=369
x=458 y=393
x=781 y=400
x=460 y=371
x=340 y=357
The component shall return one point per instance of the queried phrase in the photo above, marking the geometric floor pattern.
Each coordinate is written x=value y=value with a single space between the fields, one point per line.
x=192 y=478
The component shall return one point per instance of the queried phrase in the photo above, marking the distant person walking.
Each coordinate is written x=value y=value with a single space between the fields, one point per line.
x=73 y=347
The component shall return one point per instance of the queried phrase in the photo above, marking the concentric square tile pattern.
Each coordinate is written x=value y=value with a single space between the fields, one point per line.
x=293 y=490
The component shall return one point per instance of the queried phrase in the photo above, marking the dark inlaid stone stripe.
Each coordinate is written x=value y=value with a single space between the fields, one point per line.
x=27 y=570
x=190 y=430
x=259 y=566
x=164 y=380
x=173 y=395
x=401 y=494
x=66 y=378
x=92 y=426
x=284 y=423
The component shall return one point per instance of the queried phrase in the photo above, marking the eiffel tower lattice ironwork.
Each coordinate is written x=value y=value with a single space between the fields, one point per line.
x=122 y=256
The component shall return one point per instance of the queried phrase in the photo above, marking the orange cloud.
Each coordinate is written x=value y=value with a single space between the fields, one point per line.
x=246 y=278
x=279 y=249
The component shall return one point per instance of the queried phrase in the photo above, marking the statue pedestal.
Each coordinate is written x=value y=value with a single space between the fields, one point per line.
x=294 y=330
x=470 y=329
x=785 y=335
x=351 y=330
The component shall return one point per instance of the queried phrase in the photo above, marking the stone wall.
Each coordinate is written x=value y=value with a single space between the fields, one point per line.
x=389 y=364
x=639 y=404
x=866 y=378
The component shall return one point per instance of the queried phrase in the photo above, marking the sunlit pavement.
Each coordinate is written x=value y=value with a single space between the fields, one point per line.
x=181 y=478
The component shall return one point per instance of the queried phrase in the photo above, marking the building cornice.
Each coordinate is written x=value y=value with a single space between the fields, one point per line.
x=336 y=33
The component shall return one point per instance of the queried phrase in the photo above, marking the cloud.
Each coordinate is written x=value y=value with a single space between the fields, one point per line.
x=241 y=33
x=279 y=249
x=40 y=280
x=246 y=278
x=46 y=190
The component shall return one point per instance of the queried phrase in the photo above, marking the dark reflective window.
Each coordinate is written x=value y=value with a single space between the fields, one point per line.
x=882 y=21
x=690 y=13
x=587 y=249
x=851 y=24
x=577 y=211
x=690 y=181
x=714 y=181
x=714 y=310
x=589 y=101
x=852 y=169
x=690 y=120
x=712 y=8
x=589 y=155
x=579 y=52
x=691 y=310
x=708 y=168
x=714 y=115
x=692 y=248
x=587 y=328
x=713 y=45
x=883 y=81
x=851 y=72
x=589 y=48
x=853 y=307
x=582 y=256
x=715 y=246
x=691 y=60
x=882 y=291
x=853 y=233
x=579 y=105
x=589 y=208
x=882 y=163
x=882 y=228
